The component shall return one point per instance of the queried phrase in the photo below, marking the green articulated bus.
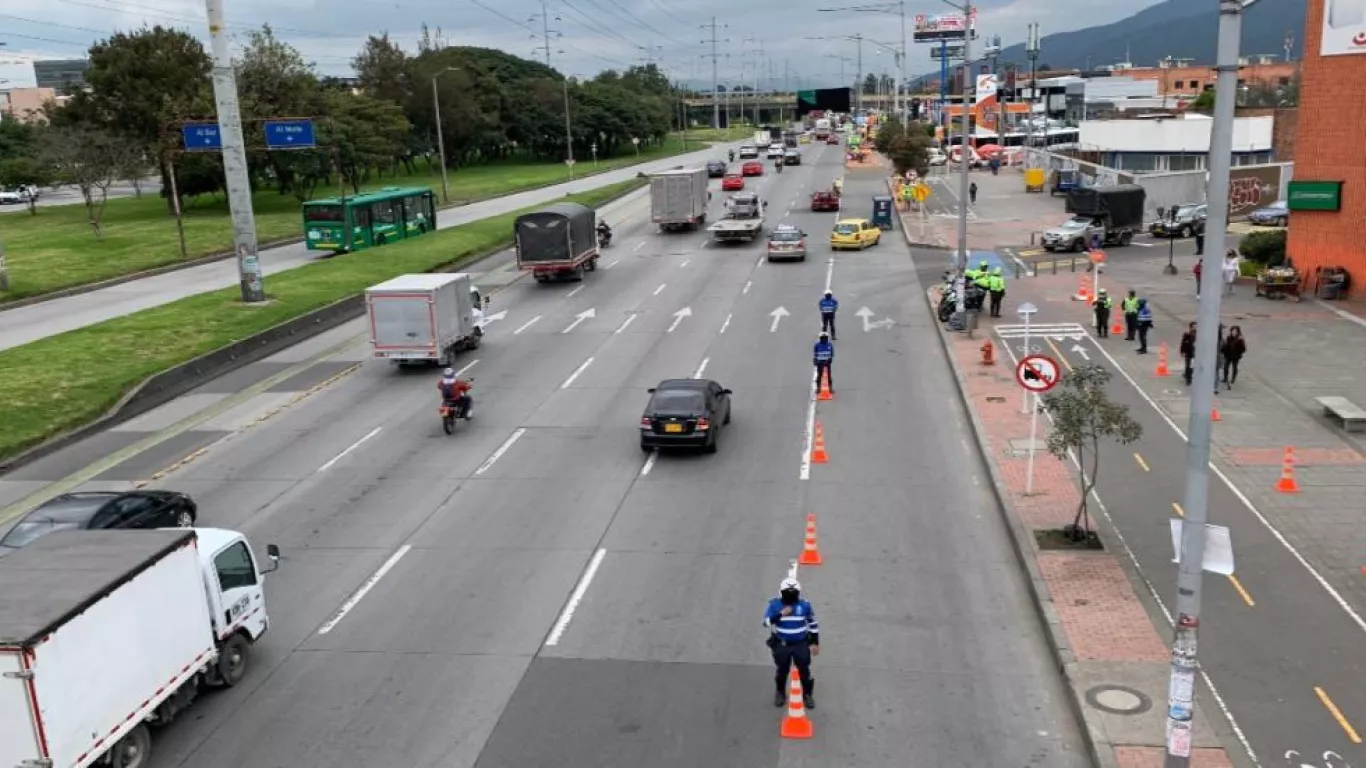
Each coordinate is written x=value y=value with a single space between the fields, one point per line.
x=374 y=218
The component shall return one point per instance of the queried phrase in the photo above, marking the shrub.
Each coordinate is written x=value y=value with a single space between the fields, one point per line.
x=1265 y=248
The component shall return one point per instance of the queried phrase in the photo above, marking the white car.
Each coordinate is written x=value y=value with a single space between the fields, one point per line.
x=12 y=197
x=775 y=150
x=748 y=151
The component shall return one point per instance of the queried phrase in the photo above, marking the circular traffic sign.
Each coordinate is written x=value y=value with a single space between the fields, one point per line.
x=1037 y=373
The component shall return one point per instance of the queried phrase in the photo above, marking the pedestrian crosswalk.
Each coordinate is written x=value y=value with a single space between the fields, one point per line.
x=1054 y=331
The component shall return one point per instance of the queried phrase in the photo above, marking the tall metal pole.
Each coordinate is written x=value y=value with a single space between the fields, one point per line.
x=715 y=75
x=1032 y=49
x=440 y=140
x=234 y=158
x=568 y=132
x=859 y=80
x=968 y=84
x=901 y=99
x=1190 y=573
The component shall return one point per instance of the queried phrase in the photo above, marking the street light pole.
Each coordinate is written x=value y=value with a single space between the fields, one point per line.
x=963 y=182
x=440 y=138
x=1190 y=572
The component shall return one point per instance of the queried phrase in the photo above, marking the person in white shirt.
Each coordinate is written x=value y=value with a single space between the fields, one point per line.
x=1231 y=269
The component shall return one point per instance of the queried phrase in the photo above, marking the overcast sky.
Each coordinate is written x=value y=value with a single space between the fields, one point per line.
x=587 y=35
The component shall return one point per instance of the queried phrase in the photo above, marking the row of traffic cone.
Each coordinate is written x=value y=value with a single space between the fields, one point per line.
x=796 y=725
x=1163 y=372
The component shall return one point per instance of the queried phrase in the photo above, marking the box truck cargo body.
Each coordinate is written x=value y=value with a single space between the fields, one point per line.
x=425 y=319
x=558 y=242
x=678 y=198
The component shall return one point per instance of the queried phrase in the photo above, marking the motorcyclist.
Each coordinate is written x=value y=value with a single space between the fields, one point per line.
x=455 y=392
x=732 y=155
x=604 y=232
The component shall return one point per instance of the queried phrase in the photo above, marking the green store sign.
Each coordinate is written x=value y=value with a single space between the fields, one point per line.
x=1315 y=196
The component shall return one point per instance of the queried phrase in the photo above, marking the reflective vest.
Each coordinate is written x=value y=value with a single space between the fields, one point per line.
x=824 y=352
x=1104 y=303
x=1131 y=306
x=828 y=306
x=996 y=283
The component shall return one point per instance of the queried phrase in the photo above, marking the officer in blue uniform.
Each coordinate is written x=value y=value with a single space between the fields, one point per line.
x=828 y=307
x=794 y=637
x=824 y=358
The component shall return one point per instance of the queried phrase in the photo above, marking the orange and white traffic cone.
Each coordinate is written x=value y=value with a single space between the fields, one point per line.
x=811 y=555
x=1083 y=289
x=1162 y=360
x=1214 y=414
x=818 y=455
x=796 y=725
x=1288 y=483
x=825 y=393
x=1117 y=327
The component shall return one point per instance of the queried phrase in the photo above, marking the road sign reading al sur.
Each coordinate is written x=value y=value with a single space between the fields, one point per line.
x=201 y=137
x=1037 y=373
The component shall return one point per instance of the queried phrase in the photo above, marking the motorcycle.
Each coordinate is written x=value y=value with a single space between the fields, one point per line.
x=604 y=238
x=452 y=412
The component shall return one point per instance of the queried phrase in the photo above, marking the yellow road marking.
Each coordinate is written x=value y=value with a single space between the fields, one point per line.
x=1179 y=511
x=1141 y=462
x=1238 y=585
x=1337 y=715
x=1061 y=357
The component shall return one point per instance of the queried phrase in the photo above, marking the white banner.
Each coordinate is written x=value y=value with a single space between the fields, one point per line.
x=1344 y=27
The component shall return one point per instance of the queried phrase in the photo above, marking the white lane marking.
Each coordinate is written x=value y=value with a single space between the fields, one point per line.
x=704 y=244
x=629 y=319
x=759 y=263
x=570 y=295
x=660 y=289
x=684 y=262
x=502 y=449
x=351 y=448
x=829 y=274
x=576 y=373
x=562 y=623
x=748 y=284
x=726 y=324
x=649 y=463
x=579 y=318
x=365 y=588
x=640 y=245
x=612 y=263
x=466 y=367
x=792 y=570
x=527 y=325
x=701 y=368
x=805 y=473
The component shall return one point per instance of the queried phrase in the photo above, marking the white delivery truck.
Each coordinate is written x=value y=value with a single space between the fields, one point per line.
x=425 y=319
x=678 y=198
x=103 y=633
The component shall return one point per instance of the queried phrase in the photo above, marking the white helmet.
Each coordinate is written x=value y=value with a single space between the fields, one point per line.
x=790 y=584
x=449 y=373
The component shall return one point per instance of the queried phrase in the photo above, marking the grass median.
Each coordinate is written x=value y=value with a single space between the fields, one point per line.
x=56 y=248
x=62 y=382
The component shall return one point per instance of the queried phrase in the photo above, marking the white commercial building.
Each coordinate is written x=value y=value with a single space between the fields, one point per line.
x=1157 y=144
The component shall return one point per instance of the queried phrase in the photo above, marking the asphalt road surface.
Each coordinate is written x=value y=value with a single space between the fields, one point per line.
x=25 y=324
x=535 y=591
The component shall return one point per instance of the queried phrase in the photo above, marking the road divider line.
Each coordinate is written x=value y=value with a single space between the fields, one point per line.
x=631 y=318
x=701 y=368
x=649 y=463
x=640 y=245
x=759 y=263
x=745 y=290
x=349 y=449
x=1061 y=357
x=1138 y=458
x=365 y=588
x=570 y=295
x=1337 y=715
x=659 y=290
x=527 y=325
x=684 y=262
x=726 y=324
x=612 y=263
x=1179 y=511
x=805 y=473
x=1243 y=593
x=502 y=449
x=829 y=274
x=580 y=589
x=583 y=367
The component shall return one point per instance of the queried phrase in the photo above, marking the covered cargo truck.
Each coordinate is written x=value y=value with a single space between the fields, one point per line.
x=425 y=319
x=558 y=242
x=678 y=198
x=1117 y=209
x=103 y=633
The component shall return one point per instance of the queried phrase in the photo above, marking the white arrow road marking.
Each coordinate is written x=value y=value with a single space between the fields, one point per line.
x=660 y=289
x=631 y=318
x=496 y=317
x=527 y=325
x=725 y=325
x=866 y=315
x=570 y=295
x=576 y=373
x=579 y=318
x=1079 y=349
x=701 y=368
x=678 y=318
x=829 y=274
x=777 y=315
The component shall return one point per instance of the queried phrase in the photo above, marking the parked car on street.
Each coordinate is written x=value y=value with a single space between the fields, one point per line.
x=1180 y=220
x=1275 y=215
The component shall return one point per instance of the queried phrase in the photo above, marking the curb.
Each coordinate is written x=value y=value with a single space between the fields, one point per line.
x=1101 y=752
x=160 y=388
x=906 y=231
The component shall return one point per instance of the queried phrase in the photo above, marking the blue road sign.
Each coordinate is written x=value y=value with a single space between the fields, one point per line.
x=202 y=137
x=290 y=134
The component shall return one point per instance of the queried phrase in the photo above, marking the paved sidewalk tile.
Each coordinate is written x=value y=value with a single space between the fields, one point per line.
x=1097 y=606
x=1152 y=757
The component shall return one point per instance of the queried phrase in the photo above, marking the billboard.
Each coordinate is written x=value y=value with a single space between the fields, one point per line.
x=1344 y=27
x=825 y=99
x=931 y=28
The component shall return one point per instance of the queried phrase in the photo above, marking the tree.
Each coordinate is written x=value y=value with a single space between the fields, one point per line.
x=90 y=160
x=275 y=81
x=364 y=133
x=16 y=139
x=1084 y=415
x=906 y=146
x=382 y=69
x=1204 y=101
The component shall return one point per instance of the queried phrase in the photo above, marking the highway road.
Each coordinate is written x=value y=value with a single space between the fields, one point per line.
x=36 y=321
x=1279 y=646
x=534 y=591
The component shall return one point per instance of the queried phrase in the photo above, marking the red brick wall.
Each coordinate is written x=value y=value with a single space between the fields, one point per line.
x=1328 y=148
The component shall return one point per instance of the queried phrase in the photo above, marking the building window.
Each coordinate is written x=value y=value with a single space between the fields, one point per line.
x=1183 y=162
x=1179 y=85
x=1283 y=81
x=1195 y=85
x=1137 y=163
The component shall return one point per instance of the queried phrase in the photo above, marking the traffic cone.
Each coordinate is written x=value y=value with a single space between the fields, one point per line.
x=1288 y=483
x=1117 y=327
x=1083 y=289
x=1214 y=414
x=796 y=725
x=825 y=394
x=810 y=554
x=1162 y=360
x=818 y=455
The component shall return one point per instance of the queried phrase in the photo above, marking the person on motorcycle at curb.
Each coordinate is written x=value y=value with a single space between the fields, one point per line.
x=456 y=392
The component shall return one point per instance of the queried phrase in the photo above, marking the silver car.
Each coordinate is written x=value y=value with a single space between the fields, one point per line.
x=1072 y=235
x=787 y=243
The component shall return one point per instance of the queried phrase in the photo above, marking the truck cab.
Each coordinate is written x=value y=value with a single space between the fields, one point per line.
x=233 y=579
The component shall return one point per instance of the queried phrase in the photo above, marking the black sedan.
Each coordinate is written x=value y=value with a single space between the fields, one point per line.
x=685 y=413
x=100 y=510
x=716 y=169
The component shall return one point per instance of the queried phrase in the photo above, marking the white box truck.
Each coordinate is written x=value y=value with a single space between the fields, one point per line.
x=103 y=633
x=678 y=198
x=425 y=319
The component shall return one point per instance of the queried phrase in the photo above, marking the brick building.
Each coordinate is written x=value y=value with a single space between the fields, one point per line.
x=1191 y=80
x=1328 y=148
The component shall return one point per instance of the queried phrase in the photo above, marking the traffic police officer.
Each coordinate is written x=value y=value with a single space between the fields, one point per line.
x=828 y=306
x=983 y=276
x=824 y=358
x=794 y=637
x=996 y=283
x=1130 y=315
x=1102 y=306
x=1145 y=324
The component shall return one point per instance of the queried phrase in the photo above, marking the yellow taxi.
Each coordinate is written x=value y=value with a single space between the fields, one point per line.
x=854 y=233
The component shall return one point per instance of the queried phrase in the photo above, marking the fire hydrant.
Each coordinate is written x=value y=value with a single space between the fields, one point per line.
x=988 y=353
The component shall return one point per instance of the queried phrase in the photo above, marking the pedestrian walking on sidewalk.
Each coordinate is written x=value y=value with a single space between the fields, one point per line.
x=1218 y=357
x=794 y=637
x=1188 y=353
x=1102 y=306
x=1145 y=324
x=1231 y=270
x=829 y=305
x=1198 y=269
x=972 y=193
x=1130 y=307
x=1235 y=346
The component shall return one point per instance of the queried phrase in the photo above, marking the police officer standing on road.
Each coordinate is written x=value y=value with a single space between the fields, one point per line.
x=829 y=304
x=1102 y=306
x=1145 y=324
x=1130 y=316
x=824 y=357
x=794 y=637
x=983 y=280
x=996 y=283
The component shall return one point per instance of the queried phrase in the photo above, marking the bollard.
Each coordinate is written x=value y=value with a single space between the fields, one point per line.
x=1073 y=260
x=1031 y=238
x=1055 y=266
